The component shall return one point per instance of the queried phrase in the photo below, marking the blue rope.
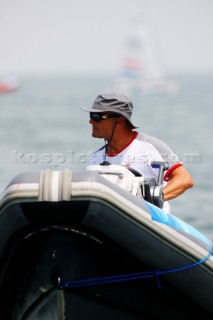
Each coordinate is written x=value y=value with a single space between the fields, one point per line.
x=127 y=277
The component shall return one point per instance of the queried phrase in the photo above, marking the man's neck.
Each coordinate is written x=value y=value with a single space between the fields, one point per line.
x=119 y=142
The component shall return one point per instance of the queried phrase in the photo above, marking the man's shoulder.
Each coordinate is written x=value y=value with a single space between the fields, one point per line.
x=156 y=142
x=147 y=138
x=144 y=144
x=165 y=151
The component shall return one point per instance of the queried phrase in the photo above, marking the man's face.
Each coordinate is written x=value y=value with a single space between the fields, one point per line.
x=103 y=128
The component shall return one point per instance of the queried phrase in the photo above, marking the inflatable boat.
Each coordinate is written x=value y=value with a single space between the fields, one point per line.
x=9 y=84
x=80 y=245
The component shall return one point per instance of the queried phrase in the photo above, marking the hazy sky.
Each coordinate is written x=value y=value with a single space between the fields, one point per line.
x=57 y=36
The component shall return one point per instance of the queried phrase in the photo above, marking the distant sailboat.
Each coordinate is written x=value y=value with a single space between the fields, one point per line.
x=142 y=68
x=9 y=84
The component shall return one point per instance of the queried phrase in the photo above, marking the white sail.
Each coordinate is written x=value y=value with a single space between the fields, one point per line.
x=142 y=69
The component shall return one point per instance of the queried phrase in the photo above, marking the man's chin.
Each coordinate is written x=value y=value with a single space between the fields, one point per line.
x=95 y=136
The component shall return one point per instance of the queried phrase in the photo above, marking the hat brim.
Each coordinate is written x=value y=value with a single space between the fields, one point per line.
x=94 y=110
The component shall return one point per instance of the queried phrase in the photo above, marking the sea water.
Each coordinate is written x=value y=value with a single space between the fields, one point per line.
x=42 y=126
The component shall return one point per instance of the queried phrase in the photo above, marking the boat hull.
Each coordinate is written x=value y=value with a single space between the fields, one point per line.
x=73 y=254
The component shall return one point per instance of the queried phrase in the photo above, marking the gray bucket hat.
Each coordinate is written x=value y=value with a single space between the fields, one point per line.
x=113 y=102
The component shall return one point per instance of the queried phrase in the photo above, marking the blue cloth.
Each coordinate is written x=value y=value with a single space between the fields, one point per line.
x=159 y=215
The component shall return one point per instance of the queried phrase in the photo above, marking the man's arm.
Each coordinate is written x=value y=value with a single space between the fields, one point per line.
x=179 y=180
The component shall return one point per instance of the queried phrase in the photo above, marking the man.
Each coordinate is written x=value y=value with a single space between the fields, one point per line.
x=110 y=117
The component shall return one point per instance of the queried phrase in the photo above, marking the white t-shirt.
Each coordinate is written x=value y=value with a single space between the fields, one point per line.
x=137 y=155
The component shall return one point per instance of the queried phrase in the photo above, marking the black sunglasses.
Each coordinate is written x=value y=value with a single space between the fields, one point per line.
x=97 y=117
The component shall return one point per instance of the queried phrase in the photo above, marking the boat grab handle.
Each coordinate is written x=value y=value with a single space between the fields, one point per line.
x=115 y=173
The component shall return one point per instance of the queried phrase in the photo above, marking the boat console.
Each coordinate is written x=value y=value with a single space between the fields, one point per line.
x=132 y=181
